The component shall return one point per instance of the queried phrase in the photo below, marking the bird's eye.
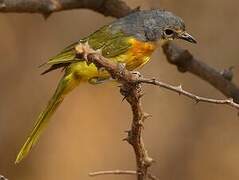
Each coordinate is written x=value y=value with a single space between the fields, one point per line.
x=168 y=32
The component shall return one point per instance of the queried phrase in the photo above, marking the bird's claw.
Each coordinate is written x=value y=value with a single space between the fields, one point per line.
x=136 y=74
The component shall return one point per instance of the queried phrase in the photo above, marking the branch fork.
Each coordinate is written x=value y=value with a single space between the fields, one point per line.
x=132 y=91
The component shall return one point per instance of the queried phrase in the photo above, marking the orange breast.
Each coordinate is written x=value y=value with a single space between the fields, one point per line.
x=138 y=54
x=142 y=48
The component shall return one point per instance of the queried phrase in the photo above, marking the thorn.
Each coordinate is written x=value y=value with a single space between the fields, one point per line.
x=141 y=95
x=127 y=131
x=154 y=80
x=146 y=116
x=231 y=100
x=141 y=123
x=139 y=172
x=197 y=100
x=123 y=98
x=148 y=161
x=126 y=139
x=180 y=89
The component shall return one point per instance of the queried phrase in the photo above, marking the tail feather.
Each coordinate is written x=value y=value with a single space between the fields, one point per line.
x=66 y=84
x=54 y=67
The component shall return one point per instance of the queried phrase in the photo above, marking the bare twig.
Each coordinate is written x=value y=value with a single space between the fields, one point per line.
x=115 y=8
x=117 y=172
x=185 y=62
x=120 y=172
x=180 y=91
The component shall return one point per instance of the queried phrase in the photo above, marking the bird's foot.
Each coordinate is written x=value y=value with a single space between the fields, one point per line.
x=136 y=73
x=98 y=80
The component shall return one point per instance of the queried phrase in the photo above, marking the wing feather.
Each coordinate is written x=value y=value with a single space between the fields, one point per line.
x=112 y=44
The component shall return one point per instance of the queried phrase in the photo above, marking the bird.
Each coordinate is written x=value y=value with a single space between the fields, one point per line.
x=130 y=40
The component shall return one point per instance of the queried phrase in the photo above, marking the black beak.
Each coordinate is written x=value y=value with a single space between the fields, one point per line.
x=187 y=37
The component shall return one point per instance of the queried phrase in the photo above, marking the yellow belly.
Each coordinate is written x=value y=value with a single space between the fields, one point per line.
x=138 y=55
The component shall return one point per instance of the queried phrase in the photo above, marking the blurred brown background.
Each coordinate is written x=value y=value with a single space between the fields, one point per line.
x=188 y=141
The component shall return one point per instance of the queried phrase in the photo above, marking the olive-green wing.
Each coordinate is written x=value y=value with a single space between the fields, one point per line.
x=111 y=43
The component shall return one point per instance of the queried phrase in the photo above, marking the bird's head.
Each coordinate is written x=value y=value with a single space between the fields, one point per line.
x=164 y=26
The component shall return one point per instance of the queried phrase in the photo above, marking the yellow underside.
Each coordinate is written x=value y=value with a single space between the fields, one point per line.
x=138 y=55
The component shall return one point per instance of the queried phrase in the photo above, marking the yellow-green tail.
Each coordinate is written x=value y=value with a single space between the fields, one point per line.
x=66 y=84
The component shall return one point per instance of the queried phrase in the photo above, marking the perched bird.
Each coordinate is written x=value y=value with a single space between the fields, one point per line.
x=130 y=40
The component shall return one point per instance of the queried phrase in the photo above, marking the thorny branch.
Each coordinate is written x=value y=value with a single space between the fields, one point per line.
x=181 y=91
x=132 y=92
